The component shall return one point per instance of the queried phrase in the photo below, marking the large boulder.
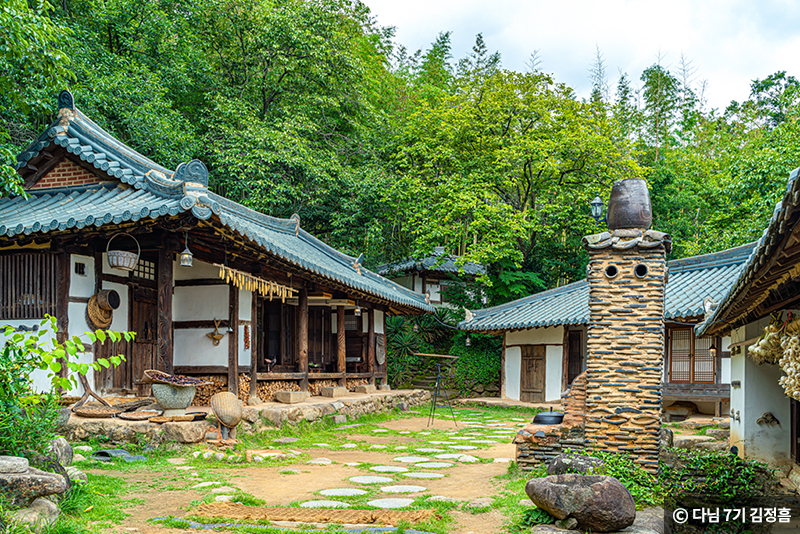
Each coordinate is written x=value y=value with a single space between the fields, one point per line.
x=62 y=450
x=598 y=503
x=20 y=485
x=41 y=512
x=574 y=463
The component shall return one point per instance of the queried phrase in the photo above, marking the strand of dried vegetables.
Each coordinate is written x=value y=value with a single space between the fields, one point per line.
x=248 y=282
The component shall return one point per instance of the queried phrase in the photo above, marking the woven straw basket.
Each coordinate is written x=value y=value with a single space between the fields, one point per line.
x=122 y=259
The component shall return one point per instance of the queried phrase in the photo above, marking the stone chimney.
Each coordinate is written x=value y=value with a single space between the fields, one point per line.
x=625 y=350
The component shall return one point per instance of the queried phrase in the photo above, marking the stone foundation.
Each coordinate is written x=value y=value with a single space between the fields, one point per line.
x=255 y=418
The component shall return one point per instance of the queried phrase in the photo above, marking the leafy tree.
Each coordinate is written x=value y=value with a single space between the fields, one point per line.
x=660 y=97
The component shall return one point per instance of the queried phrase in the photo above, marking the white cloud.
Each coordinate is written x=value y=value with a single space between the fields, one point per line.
x=730 y=43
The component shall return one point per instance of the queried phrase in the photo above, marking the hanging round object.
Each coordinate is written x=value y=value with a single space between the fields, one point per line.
x=96 y=316
x=108 y=299
x=122 y=259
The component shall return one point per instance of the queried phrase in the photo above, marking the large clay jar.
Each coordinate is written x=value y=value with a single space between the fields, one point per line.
x=629 y=205
x=173 y=399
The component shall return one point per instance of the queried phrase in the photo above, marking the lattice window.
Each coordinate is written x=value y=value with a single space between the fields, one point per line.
x=146 y=270
x=351 y=322
x=681 y=356
x=704 y=364
x=28 y=284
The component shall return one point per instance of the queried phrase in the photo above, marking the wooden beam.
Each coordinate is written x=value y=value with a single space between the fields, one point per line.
x=205 y=369
x=281 y=376
x=254 y=347
x=371 y=344
x=233 y=340
x=165 y=340
x=200 y=282
x=302 y=334
x=179 y=325
x=62 y=305
x=341 y=345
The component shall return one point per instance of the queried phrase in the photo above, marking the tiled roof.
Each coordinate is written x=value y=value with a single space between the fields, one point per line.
x=440 y=263
x=146 y=189
x=690 y=281
x=735 y=305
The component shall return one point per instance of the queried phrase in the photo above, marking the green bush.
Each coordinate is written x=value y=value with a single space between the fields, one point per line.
x=479 y=363
x=644 y=487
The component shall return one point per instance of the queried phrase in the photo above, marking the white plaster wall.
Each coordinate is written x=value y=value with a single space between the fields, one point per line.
x=119 y=321
x=378 y=322
x=725 y=377
x=81 y=285
x=199 y=269
x=41 y=382
x=200 y=303
x=417 y=284
x=536 y=336
x=513 y=373
x=404 y=281
x=244 y=354
x=433 y=289
x=768 y=443
x=76 y=314
x=245 y=305
x=193 y=347
x=552 y=377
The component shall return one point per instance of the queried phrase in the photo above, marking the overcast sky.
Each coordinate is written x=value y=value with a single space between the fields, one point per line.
x=728 y=42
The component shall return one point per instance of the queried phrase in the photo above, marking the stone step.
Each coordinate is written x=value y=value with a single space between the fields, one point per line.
x=719 y=433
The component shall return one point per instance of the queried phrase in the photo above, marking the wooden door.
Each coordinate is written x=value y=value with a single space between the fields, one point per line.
x=690 y=358
x=575 y=355
x=532 y=380
x=144 y=321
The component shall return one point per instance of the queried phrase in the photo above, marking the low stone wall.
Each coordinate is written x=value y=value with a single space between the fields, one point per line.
x=255 y=419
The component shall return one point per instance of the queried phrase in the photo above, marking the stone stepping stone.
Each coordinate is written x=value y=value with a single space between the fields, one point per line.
x=82 y=448
x=433 y=465
x=441 y=498
x=404 y=432
x=518 y=419
x=403 y=489
x=224 y=489
x=461 y=438
x=344 y=427
x=422 y=475
x=379 y=430
x=343 y=492
x=370 y=480
x=483 y=441
x=451 y=456
x=353 y=464
x=290 y=471
x=324 y=504
x=425 y=433
x=349 y=445
x=320 y=461
x=442 y=443
x=223 y=498
x=377 y=446
x=284 y=441
x=427 y=449
x=502 y=460
x=176 y=461
x=402 y=448
x=411 y=459
x=391 y=503
x=464 y=447
x=388 y=469
x=322 y=445
x=205 y=485
x=183 y=467
x=482 y=502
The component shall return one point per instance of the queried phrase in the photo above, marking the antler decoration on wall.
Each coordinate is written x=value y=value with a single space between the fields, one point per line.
x=248 y=282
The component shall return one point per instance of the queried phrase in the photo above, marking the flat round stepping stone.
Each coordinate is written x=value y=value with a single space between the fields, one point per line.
x=320 y=461
x=349 y=445
x=389 y=469
x=483 y=441
x=378 y=430
x=461 y=438
x=324 y=504
x=431 y=450
x=433 y=465
x=377 y=446
x=442 y=443
x=442 y=498
x=422 y=475
x=322 y=445
x=464 y=447
x=403 y=489
x=352 y=464
x=401 y=448
x=404 y=432
x=343 y=492
x=205 y=485
x=411 y=459
x=449 y=456
x=391 y=503
x=517 y=419
x=425 y=433
x=284 y=441
x=502 y=460
x=370 y=480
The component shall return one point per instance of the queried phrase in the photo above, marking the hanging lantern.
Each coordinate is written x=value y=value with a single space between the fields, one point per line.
x=468 y=342
x=186 y=255
x=357 y=311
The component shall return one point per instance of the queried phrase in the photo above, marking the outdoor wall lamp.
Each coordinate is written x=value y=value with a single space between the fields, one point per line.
x=357 y=311
x=468 y=341
x=597 y=209
x=713 y=351
x=186 y=255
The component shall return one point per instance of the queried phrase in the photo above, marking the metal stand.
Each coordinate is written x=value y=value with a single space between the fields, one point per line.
x=436 y=395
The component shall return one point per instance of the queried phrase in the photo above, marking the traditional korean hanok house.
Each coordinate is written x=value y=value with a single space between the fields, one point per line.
x=544 y=335
x=108 y=238
x=430 y=274
x=759 y=313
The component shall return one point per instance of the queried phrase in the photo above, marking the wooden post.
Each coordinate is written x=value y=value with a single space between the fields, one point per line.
x=62 y=306
x=233 y=340
x=371 y=344
x=341 y=346
x=302 y=334
x=165 y=283
x=254 y=346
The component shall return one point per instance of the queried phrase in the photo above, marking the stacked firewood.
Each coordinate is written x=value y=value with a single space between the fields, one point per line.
x=353 y=382
x=203 y=394
x=266 y=388
x=315 y=386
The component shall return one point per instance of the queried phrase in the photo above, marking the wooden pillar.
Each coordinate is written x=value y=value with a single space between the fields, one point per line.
x=233 y=340
x=254 y=348
x=62 y=306
x=371 y=344
x=302 y=334
x=341 y=346
x=165 y=283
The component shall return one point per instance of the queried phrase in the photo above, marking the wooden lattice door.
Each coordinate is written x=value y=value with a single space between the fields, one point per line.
x=690 y=358
x=532 y=379
x=144 y=321
x=575 y=355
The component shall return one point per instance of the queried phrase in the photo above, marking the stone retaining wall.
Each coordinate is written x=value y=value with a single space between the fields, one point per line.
x=255 y=419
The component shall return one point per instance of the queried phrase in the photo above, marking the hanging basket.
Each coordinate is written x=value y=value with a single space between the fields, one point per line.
x=97 y=316
x=122 y=259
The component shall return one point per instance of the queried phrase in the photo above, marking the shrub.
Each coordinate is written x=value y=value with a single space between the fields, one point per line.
x=644 y=487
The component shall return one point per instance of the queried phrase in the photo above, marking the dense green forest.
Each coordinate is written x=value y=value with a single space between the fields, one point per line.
x=310 y=107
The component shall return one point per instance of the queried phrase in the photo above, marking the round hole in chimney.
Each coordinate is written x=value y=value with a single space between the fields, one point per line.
x=640 y=270
x=611 y=271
